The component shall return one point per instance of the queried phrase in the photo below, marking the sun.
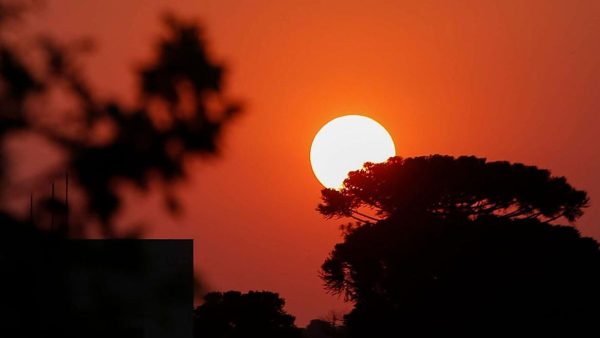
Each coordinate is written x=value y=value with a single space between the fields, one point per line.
x=344 y=144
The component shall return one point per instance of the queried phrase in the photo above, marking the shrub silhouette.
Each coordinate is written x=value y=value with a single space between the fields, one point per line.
x=462 y=246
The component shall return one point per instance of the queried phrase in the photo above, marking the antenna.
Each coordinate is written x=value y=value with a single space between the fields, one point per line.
x=31 y=208
x=66 y=200
x=52 y=209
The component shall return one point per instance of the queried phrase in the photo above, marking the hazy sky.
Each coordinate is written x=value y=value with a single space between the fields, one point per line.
x=513 y=80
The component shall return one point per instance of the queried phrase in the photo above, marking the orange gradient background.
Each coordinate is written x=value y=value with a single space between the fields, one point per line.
x=514 y=80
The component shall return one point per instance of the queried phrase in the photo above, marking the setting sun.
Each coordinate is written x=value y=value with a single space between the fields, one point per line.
x=345 y=144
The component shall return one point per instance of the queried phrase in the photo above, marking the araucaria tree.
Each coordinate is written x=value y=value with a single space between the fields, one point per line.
x=450 y=246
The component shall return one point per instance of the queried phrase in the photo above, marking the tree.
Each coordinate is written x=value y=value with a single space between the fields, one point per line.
x=180 y=112
x=327 y=326
x=462 y=246
x=320 y=328
x=236 y=315
x=444 y=185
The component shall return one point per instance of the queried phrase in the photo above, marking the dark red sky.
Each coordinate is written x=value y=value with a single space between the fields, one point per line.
x=514 y=80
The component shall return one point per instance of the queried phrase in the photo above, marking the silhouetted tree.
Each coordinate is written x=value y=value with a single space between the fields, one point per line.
x=180 y=112
x=319 y=328
x=443 y=185
x=465 y=247
x=236 y=315
x=327 y=327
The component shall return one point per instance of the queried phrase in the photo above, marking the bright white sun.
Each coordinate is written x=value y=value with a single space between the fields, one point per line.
x=345 y=144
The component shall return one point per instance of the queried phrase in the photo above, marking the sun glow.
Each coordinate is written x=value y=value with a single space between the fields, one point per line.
x=344 y=144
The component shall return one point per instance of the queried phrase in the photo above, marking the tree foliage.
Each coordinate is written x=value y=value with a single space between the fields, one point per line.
x=180 y=112
x=444 y=185
x=462 y=247
x=236 y=315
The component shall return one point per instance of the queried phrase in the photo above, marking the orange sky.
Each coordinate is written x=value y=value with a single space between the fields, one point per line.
x=514 y=80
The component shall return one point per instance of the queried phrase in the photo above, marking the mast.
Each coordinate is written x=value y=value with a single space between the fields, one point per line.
x=52 y=209
x=31 y=208
x=66 y=200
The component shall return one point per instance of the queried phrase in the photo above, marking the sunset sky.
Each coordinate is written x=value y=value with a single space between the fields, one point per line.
x=508 y=80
